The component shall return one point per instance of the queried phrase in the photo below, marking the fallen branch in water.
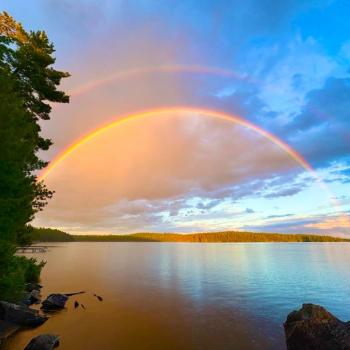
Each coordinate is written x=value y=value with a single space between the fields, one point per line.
x=76 y=293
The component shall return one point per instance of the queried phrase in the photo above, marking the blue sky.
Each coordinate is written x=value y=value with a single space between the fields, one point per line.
x=291 y=60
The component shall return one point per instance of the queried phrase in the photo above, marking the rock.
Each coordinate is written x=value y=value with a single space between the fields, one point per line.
x=33 y=297
x=314 y=328
x=98 y=297
x=20 y=315
x=33 y=286
x=43 y=342
x=26 y=301
x=7 y=329
x=54 y=302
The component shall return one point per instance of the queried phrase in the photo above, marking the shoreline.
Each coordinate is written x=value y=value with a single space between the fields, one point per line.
x=54 y=235
x=133 y=302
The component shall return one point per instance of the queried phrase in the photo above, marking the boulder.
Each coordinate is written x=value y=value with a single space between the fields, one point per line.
x=33 y=286
x=314 y=328
x=43 y=342
x=33 y=297
x=54 y=302
x=20 y=315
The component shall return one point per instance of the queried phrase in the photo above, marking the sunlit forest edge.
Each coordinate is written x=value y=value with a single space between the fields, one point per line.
x=54 y=235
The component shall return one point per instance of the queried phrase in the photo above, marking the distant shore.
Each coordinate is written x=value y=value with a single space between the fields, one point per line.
x=53 y=235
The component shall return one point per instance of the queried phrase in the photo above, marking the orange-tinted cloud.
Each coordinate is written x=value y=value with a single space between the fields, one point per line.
x=332 y=223
x=140 y=166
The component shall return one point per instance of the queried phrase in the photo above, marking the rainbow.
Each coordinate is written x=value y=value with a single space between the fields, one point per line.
x=178 y=68
x=169 y=68
x=179 y=110
x=200 y=112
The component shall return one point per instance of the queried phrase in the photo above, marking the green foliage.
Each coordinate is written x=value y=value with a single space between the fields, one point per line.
x=211 y=237
x=15 y=190
x=28 y=83
x=50 y=235
x=11 y=281
x=31 y=268
x=15 y=271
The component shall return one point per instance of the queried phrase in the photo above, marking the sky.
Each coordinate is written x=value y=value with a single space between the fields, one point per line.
x=282 y=66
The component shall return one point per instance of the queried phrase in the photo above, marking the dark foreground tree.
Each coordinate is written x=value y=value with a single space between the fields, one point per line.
x=28 y=83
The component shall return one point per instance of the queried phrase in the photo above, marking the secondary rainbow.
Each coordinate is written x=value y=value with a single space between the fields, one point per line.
x=169 y=68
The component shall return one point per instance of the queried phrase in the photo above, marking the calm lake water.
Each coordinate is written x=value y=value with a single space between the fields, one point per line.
x=188 y=295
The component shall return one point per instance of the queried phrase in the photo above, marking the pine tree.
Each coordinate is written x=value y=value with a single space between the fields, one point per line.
x=28 y=85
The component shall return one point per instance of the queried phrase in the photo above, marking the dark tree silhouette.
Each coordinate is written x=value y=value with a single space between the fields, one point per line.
x=28 y=83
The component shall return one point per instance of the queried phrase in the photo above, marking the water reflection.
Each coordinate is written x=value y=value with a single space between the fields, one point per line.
x=189 y=296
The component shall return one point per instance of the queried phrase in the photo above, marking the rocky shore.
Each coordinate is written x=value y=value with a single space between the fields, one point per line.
x=14 y=317
x=310 y=328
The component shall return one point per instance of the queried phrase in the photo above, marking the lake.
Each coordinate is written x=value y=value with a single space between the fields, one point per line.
x=188 y=295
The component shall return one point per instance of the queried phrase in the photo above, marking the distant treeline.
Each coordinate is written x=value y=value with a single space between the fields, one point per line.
x=51 y=235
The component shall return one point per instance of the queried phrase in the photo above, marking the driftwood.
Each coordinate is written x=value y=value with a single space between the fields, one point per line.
x=71 y=294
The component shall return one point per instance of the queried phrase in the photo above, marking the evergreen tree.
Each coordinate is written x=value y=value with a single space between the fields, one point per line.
x=28 y=83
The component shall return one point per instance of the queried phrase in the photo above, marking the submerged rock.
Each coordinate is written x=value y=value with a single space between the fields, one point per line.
x=54 y=302
x=314 y=328
x=7 y=329
x=98 y=297
x=20 y=315
x=43 y=342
